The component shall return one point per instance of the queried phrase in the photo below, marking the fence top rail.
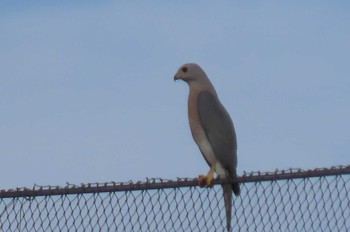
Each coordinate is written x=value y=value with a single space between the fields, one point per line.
x=159 y=183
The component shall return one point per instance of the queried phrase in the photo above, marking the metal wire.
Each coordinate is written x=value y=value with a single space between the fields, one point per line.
x=283 y=200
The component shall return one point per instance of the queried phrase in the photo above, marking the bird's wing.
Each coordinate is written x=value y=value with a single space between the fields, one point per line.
x=219 y=129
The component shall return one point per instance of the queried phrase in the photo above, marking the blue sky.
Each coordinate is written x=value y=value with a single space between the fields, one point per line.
x=87 y=91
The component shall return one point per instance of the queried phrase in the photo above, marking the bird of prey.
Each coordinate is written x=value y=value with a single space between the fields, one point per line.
x=212 y=130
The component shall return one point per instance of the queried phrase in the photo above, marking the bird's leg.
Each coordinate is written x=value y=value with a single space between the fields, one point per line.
x=210 y=176
x=207 y=180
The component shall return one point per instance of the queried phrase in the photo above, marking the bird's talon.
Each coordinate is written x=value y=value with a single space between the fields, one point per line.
x=202 y=180
x=210 y=183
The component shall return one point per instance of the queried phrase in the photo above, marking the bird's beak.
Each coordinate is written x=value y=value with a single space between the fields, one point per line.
x=176 y=78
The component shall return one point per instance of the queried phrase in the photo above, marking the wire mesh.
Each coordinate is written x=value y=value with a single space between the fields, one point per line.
x=287 y=200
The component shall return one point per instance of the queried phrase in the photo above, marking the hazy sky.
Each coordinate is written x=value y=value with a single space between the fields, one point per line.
x=87 y=91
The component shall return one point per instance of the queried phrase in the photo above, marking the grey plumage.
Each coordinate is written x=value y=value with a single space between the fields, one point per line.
x=219 y=129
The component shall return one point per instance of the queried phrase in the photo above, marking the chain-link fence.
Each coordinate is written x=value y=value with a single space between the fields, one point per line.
x=289 y=200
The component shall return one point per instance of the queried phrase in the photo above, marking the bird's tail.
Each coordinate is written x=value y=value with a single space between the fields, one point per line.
x=236 y=189
x=227 y=190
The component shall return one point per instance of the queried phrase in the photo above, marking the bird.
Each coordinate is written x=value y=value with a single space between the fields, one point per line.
x=213 y=131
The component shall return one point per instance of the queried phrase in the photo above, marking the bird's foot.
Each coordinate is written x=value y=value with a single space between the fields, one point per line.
x=202 y=180
x=205 y=181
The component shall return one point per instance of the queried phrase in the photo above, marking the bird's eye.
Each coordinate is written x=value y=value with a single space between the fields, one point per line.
x=184 y=69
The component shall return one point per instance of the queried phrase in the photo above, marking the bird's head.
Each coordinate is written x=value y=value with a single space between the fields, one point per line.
x=190 y=72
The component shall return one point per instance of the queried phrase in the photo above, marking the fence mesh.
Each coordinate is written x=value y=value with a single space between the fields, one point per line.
x=289 y=200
